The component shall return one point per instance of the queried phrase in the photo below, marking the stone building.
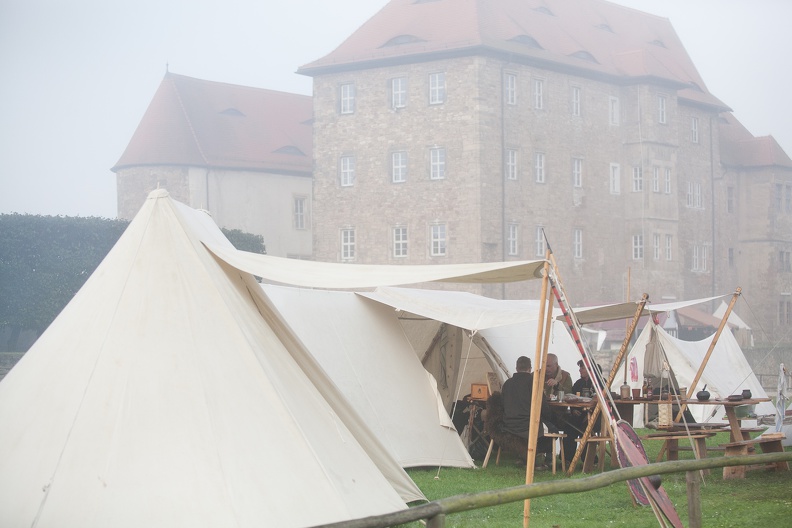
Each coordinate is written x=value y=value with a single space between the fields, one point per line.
x=241 y=153
x=448 y=132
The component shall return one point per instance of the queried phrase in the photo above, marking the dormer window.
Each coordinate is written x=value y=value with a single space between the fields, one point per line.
x=291 y=150
x=584 y=55
x=605 y=27
x=658 y=42
x=398 y=40
x=527 y=40
x=232 y=112
x=544 y=10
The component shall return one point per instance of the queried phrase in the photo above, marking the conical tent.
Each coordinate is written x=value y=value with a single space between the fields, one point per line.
x=170 y=393
x=727 y=371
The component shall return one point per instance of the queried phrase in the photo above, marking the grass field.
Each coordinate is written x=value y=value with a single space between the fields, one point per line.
x=761 y=499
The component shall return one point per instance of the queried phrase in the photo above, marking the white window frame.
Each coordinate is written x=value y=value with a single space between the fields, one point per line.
x=662 y=109
x=539 y=94
x=615 y=178
x=577 y=172
x=637 y=247
x=347 y=170
x=667 y=181
x=399 y=166
x=613 y=111
x=577 y=243
x=437 y=88
x=669 y=247
x=347 y=95
x=510 y=88
x=513 y=240
x=540 y=245
x=697 y=200
x=689 y=195
x=656 y=246
x=576 y=100
x=512 y=164
x=437 y=163
x=539 y=167
x=400 y=241
x=348 y=243
x=695 y=264
x=300 y=212
x=656 y=179
x=694 y=129
x=399 y=92
x=637 y=179
x=439 y=240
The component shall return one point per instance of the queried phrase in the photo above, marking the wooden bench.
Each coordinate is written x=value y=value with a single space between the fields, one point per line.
x=769 y=443
x=672 y=448
x=594 y=444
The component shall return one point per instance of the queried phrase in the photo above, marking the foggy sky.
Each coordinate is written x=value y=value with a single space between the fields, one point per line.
x=78 y=75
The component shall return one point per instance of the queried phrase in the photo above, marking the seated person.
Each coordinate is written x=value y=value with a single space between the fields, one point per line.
x=517 y=396
x=576 y=420
x=556 y=379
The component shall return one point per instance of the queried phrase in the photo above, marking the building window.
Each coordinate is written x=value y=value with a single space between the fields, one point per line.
x=438 y=240
x=700 y=258
x=511 y=164
x=299 y=212
x=577 y=172
x=656 y=179
x=539 y=243
x=399 y=241
x=437 y=88
x=512 y=239
x=697 y=202
x=399 y=166
x=694 y=130
x=661 y=109
x=347 y=98
x=656 y=246
x=538 y=94
x=668 y=247
x=668 y=181
x=399 y=92
x=613 y=111
x=788 y=199
x=347 y=244
x=730 y=199
x=785 y=311
x=779 y=191
x=637 y=181
x=576 y=100
x=510 y=88
x=784 y=262
x=615 y=177
x=539 y=167
x=437 y=163
x=637 y=247
x=577 y=243
x=347 y=168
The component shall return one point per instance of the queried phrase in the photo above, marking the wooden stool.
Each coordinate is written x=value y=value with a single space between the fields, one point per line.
x=769 y=443
x=557 y=438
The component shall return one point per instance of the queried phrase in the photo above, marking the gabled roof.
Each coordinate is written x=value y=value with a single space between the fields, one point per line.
x=740 y=148
x=593 y=37
x=210 y=124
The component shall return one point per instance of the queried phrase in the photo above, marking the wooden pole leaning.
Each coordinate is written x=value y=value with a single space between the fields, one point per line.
x=536 y=393
x=622 y=352
x=692 y=387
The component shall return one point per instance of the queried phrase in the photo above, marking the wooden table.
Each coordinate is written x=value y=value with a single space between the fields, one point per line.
x=731 y=413
x=593 y=441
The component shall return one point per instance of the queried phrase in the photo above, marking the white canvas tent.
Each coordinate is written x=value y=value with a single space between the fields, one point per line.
x=362 y=347
x=168 y=394
x=727 y=371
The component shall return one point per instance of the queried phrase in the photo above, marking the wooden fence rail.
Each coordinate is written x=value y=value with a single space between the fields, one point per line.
x=434 y=512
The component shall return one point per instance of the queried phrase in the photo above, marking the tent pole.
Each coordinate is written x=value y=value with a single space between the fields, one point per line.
x=536 y=392
x=709 y=353
x=625 y=344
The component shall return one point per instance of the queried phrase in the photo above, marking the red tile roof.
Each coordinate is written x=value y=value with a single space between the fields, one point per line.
x=740 y=148
x=210 y=124
x=593 y=37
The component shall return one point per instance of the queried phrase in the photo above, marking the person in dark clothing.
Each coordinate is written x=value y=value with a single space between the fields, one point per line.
x=577 y=419
x=517 y=396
